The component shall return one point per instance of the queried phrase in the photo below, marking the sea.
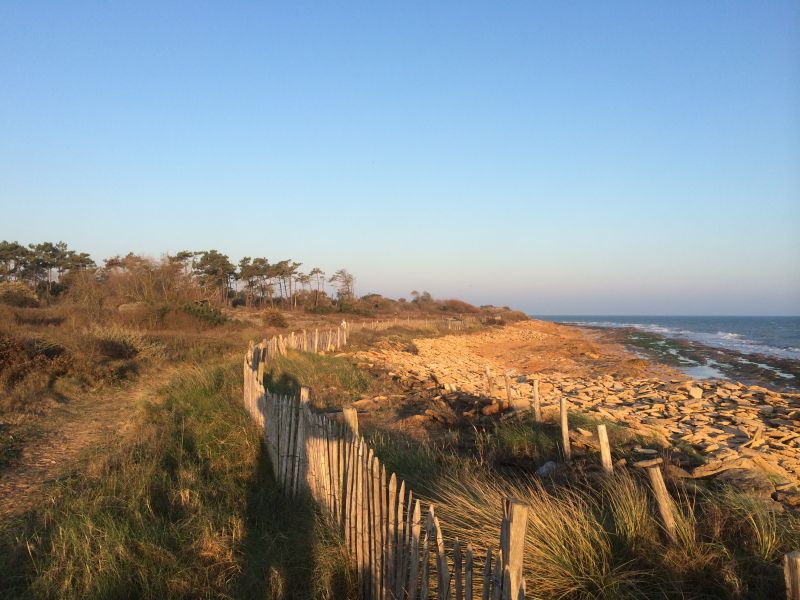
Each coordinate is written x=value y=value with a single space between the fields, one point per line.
x=758 y=349
x=770 y=336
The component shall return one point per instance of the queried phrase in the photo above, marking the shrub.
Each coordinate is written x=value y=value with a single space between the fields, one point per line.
x=16 y=293
x=458 y=306
x=133 y=342
x=206 y=314
x=321 y=310
x=274 y=318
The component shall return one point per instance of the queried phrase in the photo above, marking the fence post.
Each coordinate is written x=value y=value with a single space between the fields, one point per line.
x=537 y=408
x=565 y=429
x=605 y=449
x=512 y=546
x=508 y=389
x=791 y=572
x=665 y=505
x=350 y=415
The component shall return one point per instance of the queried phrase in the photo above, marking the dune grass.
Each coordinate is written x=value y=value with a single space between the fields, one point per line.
x=602 y=537
x=185 y=507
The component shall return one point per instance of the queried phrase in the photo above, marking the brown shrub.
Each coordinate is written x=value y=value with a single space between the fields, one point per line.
x=16 y=293
x=458 y=306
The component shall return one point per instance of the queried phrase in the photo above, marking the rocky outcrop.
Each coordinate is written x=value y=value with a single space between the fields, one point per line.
x=730 y=425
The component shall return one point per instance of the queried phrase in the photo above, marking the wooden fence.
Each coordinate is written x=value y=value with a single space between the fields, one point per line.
x=395 y=542
x=330 y=340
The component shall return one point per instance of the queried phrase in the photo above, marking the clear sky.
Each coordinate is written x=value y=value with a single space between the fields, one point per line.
x=561 y=157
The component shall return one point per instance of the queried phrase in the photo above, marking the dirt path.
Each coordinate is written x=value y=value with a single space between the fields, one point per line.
x=64 y=433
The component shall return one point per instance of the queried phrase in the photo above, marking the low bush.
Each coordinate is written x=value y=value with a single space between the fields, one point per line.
x=274 y=318
x=204 y=313
x=16 y=293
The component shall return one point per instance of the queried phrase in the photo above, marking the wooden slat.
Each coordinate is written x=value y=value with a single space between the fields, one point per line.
x=413 y=550
x=457 y=570
x=377 y=528
x=487 y=575
x=360 y=521
x=424 y=583
x=468 y=569
x=400 y=544
x=373 y=524
x=391 y=544
x=442 y=569
x=497 y=577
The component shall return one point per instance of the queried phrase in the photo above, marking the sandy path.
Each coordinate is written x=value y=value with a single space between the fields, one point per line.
x=65 y=433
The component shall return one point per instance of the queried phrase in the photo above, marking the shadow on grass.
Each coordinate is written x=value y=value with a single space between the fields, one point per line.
x=289 y=550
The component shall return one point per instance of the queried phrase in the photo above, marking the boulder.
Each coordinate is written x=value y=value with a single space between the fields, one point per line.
x=548 y=469
x=751 y=481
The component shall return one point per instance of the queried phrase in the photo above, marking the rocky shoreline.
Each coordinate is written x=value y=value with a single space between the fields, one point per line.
x=711 y=427
x=702 y=361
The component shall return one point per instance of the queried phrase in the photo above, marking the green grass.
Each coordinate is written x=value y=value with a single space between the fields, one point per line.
x=184 y=508
x=333 y=380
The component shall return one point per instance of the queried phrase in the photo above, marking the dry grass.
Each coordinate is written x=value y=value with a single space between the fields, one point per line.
x=604 y=540
x=568 y=552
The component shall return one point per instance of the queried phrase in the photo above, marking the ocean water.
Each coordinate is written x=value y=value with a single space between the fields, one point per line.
x=769 y=336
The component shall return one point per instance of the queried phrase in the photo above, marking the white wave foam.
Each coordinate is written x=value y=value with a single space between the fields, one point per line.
x=723 y=339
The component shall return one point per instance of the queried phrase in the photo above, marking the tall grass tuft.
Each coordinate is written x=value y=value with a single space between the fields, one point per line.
x=568 y=552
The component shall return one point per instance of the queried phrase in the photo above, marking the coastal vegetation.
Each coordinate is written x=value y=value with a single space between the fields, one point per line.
x=128 y=467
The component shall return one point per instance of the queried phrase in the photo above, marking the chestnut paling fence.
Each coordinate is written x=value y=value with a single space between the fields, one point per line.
x=395 y=542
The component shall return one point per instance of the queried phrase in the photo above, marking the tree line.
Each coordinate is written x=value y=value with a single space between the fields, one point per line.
x=49 y=269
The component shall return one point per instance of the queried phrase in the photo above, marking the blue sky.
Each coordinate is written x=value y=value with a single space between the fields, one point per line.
x=562 y=157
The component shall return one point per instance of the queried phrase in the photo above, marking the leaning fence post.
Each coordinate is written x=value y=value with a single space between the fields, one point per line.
x=666 y=507
x=665 y=504
x=791 y=572
x=605 y=449
x=565 y=429
x=512 y=546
